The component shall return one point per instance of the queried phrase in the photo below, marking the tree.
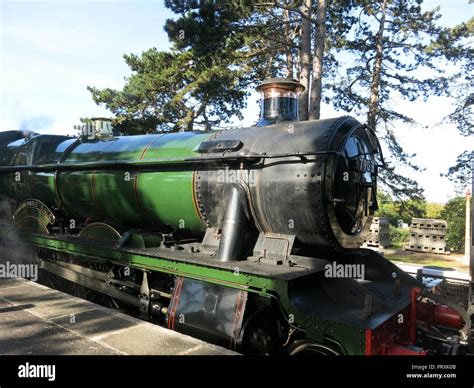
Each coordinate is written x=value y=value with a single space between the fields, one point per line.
x=460 y=173
x=372 y=115
x=387 y=208
x=461 y=90
x=394 y=57
x=462 y=83
x=197 y=83
x=218 y=51
x=305 y=56
x=322 y=24
x=318 y=61
x=433 y=210
x=400 y=210
x=411 y=208
x=454 y=213
x=393 y=49
x=398 y=236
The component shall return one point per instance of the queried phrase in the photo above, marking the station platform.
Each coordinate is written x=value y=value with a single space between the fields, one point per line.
x=37 y=320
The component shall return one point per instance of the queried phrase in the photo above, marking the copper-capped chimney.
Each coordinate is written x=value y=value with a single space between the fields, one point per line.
x=279 y=100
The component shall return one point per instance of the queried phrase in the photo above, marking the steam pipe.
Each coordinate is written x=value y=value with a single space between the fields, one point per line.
x=233 y=228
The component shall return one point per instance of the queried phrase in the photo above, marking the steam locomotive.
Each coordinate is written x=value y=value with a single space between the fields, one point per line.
x=248 y=238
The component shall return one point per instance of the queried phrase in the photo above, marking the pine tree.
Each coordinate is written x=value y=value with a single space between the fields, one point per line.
x=394 y=51
x=461 y=90
x=218 y=52
x=197 y=84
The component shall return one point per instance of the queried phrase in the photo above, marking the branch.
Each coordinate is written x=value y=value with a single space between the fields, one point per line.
x=288 y=8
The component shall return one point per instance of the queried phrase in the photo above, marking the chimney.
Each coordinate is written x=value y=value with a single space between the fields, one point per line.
x=279 y=100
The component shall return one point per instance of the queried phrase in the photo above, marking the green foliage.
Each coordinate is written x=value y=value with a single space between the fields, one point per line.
x=461 y=55
x=411 y=208
x=400 y=210
x=463 y=115
x=455 y=214
x=399 y=185
x=387 y=208
x=413 y=55
x=196 y=84
x=408 y=35
x=399 y=236
x=460 y=173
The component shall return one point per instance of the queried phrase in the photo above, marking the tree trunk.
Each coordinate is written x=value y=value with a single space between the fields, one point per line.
x=305 y=58
x=318 y=57
x=288 y=52
x=377 y=69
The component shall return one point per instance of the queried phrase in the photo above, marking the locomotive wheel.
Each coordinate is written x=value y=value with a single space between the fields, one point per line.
x=309 y=348
x=258 y=335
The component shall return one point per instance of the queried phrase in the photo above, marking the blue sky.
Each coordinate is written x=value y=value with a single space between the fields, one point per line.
x=51 y=51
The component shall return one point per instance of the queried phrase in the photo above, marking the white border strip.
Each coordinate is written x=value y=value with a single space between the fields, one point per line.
x=439 y=273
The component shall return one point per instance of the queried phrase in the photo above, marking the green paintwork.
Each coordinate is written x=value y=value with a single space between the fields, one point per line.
x=21 y=184
x=174 y=188
x=317 y=329
x=16 y=185
x=76 y=194
x=140 y=239
x=43 y=187
x=144 y=199
x=100 y=231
